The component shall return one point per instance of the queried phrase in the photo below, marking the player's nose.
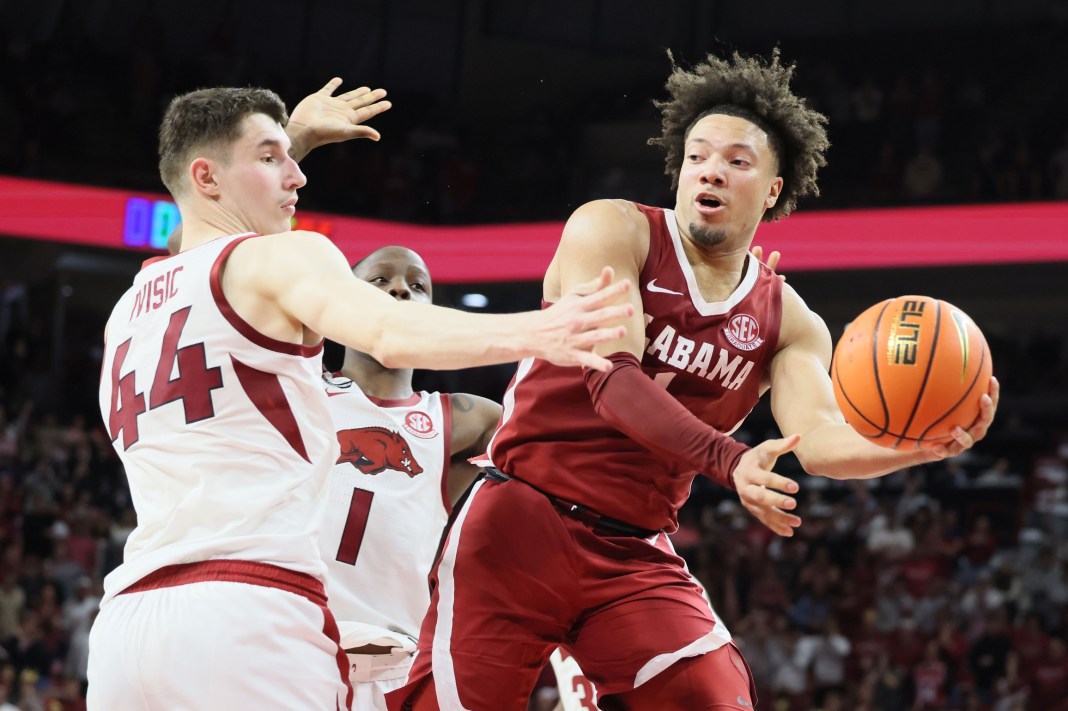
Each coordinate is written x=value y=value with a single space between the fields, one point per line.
x=400 y=291
x=714 y=172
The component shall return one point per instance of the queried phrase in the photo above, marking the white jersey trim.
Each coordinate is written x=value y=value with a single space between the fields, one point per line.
x=441 y=652
x=707 y=308
x=508 y=406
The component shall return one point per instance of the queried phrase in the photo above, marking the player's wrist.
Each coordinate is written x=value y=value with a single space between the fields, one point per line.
x=302 y=140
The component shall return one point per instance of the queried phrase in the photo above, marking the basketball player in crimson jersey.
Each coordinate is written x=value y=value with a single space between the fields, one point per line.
x=211 y=391
x=564 y=542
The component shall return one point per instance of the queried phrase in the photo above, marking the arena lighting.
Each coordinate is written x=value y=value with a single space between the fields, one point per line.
x=831 y=240
x=474 y=301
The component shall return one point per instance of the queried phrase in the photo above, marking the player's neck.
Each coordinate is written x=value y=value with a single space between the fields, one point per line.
x=719 y=268
x=375 y=379
x=199 y=228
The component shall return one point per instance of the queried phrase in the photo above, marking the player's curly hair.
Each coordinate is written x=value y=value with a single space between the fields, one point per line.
x=208 y=119
x=758 y=91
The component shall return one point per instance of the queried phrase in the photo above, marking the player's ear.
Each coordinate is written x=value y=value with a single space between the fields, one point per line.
x=202 y=176
x=773 y=193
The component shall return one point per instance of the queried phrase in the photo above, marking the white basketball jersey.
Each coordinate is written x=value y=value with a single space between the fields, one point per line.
x=387 y=508
x=224 y=432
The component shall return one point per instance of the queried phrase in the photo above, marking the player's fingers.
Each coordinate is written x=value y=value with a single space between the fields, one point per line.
x=330 y=86
x=364 y=132
x=591 y=337
x=994 y=392
x=589 y=359
x=595 y=285
x=364 y=95
x=779 y=522
x=778 y=447
x=368 y=112
x=603 y=295
x=780 y=483
x=354 y=93
x=763 y=496
x=773 y=259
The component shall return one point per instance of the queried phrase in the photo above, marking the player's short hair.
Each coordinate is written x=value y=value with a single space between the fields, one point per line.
x=757 y=91
x=208 y=119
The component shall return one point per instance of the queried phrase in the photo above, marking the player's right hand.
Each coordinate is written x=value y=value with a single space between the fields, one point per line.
x=765 y=493
x=569 y=329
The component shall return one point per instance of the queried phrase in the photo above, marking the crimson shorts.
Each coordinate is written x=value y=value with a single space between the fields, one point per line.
x=517 y=578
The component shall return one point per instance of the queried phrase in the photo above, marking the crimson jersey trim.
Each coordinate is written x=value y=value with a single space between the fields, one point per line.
x=241 y=325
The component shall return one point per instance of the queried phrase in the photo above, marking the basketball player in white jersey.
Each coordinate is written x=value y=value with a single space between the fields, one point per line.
x=402 y=467
x=211 y=392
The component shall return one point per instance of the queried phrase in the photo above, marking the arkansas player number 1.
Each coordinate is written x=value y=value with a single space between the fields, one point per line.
x=355 y=525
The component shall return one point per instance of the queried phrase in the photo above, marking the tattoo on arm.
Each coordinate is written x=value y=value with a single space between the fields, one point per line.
x=462 y=403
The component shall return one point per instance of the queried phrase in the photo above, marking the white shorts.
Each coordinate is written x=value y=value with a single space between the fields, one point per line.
x=374 y=675
x=208 y=646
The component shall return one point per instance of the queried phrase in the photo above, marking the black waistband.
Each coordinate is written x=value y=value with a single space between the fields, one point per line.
x=605 y=525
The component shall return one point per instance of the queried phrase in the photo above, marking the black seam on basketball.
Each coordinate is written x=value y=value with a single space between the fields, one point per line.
x=978 y=371
x=926 y=376
x=845 y=395
x=875 y=350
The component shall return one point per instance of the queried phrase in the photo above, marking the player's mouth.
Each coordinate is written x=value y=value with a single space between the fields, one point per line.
x=709 y=204
x=290 y=206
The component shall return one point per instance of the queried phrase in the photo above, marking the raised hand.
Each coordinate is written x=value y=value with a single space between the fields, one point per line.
x=773 y=257
x=322 y=118
x=570 y=328
x=764 y=492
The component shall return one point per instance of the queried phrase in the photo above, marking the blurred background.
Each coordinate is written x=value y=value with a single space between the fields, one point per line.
x=940 y=587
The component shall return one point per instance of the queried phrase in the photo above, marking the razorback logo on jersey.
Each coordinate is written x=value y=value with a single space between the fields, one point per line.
x=372 y=450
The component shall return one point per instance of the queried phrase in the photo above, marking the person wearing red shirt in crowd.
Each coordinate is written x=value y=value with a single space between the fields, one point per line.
x=929 y=678
x=1049 y=679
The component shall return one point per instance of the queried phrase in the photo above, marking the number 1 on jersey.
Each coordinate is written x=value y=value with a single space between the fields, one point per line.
x=355 y=525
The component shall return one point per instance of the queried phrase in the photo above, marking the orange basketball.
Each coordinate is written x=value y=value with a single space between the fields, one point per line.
x=908 y=370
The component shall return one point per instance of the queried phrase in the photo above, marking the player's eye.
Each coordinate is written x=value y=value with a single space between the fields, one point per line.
x=418 y=286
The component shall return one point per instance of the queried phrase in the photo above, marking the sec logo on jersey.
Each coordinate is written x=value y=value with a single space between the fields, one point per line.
x=420 y=425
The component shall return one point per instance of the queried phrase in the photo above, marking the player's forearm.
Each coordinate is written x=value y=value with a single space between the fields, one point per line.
x=631 y=402
x=835 y=450
x=425 y=336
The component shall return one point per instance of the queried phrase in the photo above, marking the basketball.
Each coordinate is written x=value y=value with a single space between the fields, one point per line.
x=908 y=370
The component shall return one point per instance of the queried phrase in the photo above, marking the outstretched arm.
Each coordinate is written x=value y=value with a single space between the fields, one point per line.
x=802 y=400
x=293 y=282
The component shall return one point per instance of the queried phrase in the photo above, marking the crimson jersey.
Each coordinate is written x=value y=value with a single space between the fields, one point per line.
x=710 y=356
x=224 y=432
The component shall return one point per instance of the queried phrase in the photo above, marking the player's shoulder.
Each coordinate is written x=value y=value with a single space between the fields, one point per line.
x=608 y=210
x=615 y=220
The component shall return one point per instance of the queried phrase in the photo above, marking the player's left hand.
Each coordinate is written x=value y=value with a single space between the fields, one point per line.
x=965 y=438
x=322 y=118
x=767 y=495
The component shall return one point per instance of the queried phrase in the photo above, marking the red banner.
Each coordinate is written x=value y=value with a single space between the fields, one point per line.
x=847 y=239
